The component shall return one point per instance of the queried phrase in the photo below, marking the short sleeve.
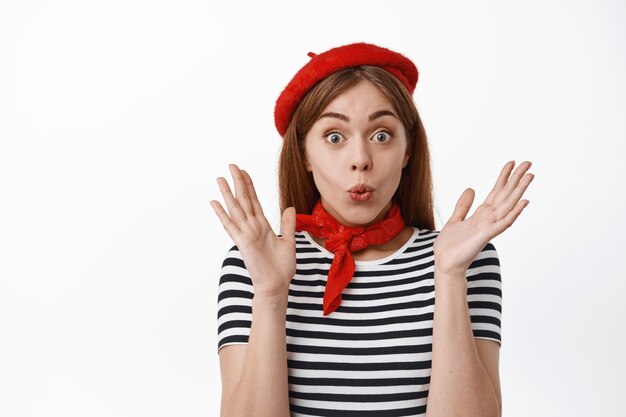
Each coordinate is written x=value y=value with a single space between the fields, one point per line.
x=484 y=295
x=234 y=301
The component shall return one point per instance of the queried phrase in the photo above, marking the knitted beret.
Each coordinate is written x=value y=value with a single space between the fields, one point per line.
x=323 y=64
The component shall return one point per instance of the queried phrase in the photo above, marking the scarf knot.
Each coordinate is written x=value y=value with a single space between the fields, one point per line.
x=342 y=240
x=346 y=237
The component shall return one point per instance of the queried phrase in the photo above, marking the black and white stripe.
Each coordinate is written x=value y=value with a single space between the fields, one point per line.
x=371 y=356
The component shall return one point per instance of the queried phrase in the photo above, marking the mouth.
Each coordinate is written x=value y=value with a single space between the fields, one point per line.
x=361 y=196
x=360 y=193
x=361 y=188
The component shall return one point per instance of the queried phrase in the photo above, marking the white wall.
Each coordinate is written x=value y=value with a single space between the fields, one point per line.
x=117 y=117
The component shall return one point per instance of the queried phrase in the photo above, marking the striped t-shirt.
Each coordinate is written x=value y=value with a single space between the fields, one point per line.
x=371 y=356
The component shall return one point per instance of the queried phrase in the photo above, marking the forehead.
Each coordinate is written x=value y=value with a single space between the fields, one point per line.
x=361 y=97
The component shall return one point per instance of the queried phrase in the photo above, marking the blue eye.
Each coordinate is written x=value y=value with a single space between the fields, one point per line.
x=333 y=135
x=382 y=134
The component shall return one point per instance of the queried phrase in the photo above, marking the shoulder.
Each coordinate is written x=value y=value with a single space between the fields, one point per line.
x=488 y=256
x=484 y=272
x=234 y=274
x=232 y=257
x=426 y=236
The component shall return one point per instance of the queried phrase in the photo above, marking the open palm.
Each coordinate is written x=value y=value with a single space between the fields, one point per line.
x=461 y=240
x=269 y=259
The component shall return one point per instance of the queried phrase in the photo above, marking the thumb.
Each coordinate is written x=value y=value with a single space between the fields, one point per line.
x=463 y=205
x=288 y=223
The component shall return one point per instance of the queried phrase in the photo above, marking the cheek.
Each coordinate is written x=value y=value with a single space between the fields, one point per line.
x=322 y=178
x=326 y=182
x=320 y=162
x=394 y=172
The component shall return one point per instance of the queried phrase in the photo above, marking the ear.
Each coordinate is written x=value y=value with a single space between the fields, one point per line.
x=405 y=161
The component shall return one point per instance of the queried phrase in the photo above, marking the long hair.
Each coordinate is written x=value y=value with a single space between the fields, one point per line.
x=295 y=183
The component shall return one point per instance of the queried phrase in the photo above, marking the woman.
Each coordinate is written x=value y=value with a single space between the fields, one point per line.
x=336 y=316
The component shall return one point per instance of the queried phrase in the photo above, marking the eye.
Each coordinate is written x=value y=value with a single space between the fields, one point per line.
x=335 y=137
x=380 y=136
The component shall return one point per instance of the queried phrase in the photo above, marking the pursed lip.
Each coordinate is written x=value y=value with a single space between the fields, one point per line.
x=360 y=188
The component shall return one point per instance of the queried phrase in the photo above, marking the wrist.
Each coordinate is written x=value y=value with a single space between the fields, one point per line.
x=450 y=277
x=275 y=298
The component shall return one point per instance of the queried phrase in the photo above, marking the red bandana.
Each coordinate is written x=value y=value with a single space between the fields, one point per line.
x=342 y=241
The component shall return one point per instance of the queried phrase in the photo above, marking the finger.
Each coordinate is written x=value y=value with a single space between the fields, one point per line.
x=288 y=224
x=256 y=205
x=236 y=213
x=506 y=222
x=463 y=205
x=500 y=182
x=230 y=226
x=505 y=207
x=241 y=191
x=512 y=183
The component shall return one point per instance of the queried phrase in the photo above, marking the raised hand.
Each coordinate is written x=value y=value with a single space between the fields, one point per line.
x=270 y=260
x=461 y=240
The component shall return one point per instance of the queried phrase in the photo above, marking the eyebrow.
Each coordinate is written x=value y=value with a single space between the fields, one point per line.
x=346 y=119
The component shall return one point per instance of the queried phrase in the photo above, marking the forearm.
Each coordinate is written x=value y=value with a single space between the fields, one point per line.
x=459 y=383
x=263 y=388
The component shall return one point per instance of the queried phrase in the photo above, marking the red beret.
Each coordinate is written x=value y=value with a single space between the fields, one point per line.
x=324 y=64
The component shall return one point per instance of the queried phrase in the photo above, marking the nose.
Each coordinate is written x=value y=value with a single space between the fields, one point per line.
x=360 y=155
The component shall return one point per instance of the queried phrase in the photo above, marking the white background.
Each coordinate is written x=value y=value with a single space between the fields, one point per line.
x=116 y=118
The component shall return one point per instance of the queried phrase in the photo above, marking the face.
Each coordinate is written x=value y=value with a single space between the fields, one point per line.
x=358 y=139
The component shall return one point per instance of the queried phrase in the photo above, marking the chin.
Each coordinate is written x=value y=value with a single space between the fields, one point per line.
x=358 y=213
x=362 y=218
